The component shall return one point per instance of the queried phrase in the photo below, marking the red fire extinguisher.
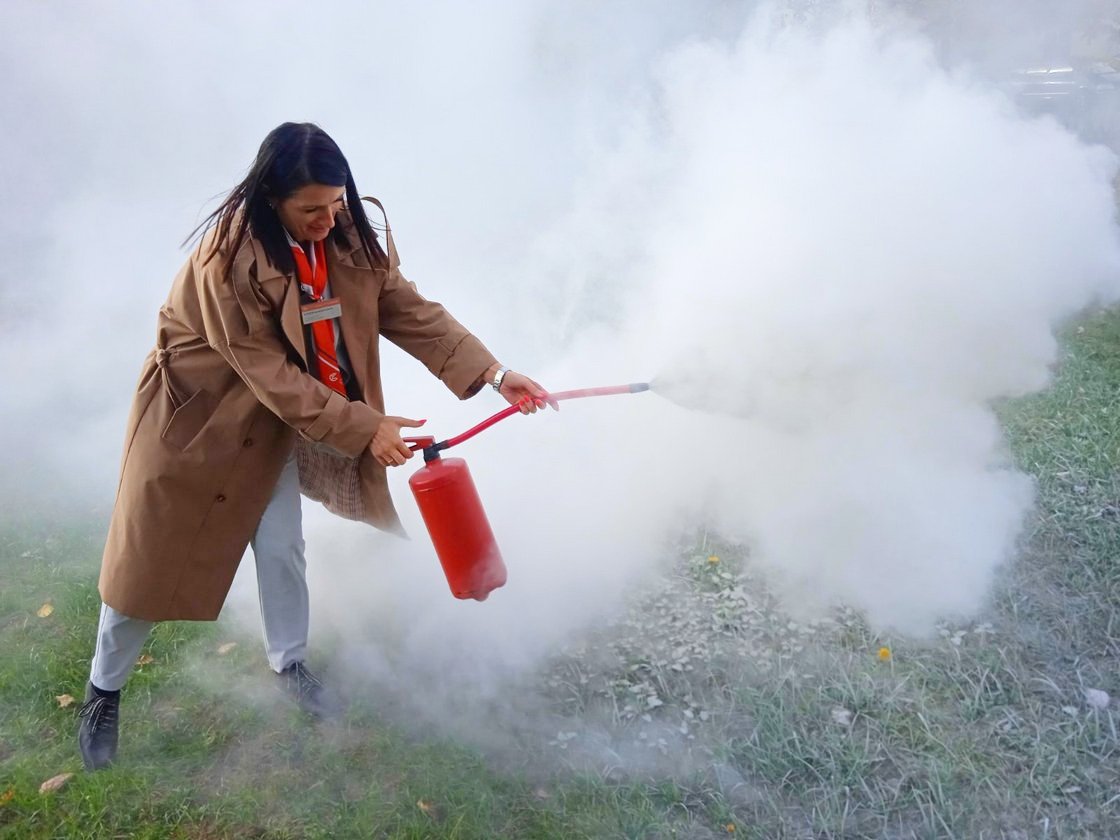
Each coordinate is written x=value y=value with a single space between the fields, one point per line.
x=452 y=510
x=457 y=524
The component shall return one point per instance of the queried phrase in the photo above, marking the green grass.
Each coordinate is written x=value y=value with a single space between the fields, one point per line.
x=731 y=720
x=196 y=760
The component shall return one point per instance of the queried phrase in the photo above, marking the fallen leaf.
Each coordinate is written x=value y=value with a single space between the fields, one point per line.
x=54 y=783
x=1096 y=698
x=841 y=716
x=731 y=828
x=884 y=654
x=145 y=659
x=542 y=794
x=45 y=610
x=7 y=796
x=64 y=700
x=429 y=808
x=226 y=648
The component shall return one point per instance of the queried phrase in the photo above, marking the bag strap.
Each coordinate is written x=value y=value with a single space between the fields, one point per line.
x=394 y=260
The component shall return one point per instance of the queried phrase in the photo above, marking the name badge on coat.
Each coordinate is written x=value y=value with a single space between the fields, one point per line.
x=321 y=310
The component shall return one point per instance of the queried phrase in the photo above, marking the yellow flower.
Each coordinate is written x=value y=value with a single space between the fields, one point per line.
x=713 y=559
x=731 y=828
x=884 y=654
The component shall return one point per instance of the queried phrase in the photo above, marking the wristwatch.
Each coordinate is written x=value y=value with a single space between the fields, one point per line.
x=498 y=377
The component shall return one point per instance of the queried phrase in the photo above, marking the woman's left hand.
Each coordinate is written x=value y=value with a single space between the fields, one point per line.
x=518 y=389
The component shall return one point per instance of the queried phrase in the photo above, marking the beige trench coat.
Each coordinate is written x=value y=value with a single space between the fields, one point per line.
x=223 y=397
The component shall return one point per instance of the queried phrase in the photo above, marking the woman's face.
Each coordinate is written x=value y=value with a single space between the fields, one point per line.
x=309 y=212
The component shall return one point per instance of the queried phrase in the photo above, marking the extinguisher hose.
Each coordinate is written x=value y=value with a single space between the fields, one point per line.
x=432 y=450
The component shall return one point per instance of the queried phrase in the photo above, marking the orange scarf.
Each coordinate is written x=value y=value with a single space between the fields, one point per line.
x=314 y=283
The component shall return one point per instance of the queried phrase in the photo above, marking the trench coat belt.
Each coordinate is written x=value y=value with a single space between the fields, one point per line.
x=162 y=356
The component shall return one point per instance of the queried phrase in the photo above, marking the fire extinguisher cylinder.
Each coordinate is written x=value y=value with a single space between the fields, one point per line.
x=453 y=514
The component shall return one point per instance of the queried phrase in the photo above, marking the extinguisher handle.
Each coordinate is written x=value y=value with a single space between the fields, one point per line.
x=419 y=442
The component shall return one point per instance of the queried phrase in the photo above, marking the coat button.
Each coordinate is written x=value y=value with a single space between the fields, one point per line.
x=219 y=498
x=247 y=442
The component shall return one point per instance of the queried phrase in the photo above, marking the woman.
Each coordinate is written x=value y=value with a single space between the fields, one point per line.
x=264 y=382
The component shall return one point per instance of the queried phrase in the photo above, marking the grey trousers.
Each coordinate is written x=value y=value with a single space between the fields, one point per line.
x=281 y=586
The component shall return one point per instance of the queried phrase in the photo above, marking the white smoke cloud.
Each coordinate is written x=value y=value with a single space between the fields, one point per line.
x=841 y=251
x=856 y=252
x=844 y=251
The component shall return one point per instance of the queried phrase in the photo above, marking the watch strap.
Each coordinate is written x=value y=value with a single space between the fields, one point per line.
x=498 y=377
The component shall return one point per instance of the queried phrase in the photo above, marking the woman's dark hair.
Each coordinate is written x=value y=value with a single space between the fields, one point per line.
x=292 y=156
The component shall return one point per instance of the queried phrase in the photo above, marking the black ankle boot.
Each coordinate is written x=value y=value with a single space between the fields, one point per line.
x=304 y=687
x=98 y=725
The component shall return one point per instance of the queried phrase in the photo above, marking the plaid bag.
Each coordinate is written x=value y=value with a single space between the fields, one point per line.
x=328 y=477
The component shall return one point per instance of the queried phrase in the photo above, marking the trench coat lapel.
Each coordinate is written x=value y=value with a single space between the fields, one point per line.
x=291 y=321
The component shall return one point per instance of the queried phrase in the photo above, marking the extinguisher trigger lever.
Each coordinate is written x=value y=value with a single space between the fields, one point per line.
x=428 y=444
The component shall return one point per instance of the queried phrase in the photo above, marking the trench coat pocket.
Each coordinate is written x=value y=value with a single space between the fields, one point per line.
x=188 y=419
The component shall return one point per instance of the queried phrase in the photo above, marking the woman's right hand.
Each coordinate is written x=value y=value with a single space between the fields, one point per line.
x=387 y=446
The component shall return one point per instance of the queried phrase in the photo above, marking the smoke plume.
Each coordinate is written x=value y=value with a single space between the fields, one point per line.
x=830 y=237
